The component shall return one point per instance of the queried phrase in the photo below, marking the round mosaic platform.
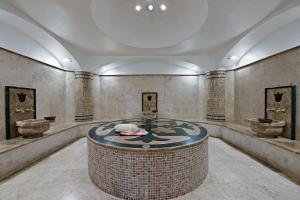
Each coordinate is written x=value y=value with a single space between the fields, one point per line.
x=162 y=134
x=170 y=161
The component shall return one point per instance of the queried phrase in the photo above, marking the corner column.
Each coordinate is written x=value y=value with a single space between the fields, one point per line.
x=216 y=95
x=84 y=107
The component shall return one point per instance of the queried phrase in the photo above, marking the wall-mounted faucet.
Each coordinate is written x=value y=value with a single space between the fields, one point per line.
x=281 y=110
x=31 y=109
x=20 y=110
x=271 y=109
x=276 y=110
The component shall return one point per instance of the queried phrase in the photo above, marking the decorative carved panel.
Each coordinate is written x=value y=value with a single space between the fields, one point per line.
x=280 y=104
x=20 y=104
x=149 y=101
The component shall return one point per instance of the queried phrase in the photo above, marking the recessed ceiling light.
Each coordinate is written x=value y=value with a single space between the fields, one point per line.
x=67 y=60
x=163 y=7
x=150 y=7
x=138 y=8
x=233 y=57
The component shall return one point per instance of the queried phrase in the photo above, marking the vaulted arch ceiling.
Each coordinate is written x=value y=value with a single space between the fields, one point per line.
x=20 y=35
x=278 y=33
x=206 y=37
x=150 y=65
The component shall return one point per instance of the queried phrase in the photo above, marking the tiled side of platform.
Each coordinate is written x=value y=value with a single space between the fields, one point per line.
x=148 y=175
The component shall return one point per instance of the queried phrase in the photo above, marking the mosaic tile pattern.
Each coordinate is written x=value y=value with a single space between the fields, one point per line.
x=84 y=109
x=148 y=174
x=216 y=95
x=162 y=134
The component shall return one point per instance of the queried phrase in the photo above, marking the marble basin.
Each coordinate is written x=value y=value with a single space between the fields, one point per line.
x=269 y=130
x=32 y=127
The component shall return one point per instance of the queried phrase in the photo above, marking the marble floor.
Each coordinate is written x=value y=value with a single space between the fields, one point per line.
x=232 y=176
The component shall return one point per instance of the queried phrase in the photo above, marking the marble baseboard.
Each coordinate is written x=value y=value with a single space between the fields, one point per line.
x=18 y=153
x=285 y=161
x=18 y=158
x=280 y=153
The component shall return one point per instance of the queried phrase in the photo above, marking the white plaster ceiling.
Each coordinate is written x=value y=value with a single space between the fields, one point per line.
x=19 y=35
x=97 y=33
x=149 y=29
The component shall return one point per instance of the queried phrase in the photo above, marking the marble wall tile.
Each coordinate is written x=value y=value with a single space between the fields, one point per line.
x=229 y=96
x=18 y=158
x=96 y=96
x=202 y=96
x=281 y=159
x=251 y=81
x=70 y=100
x=178 y=96
x=49 y=83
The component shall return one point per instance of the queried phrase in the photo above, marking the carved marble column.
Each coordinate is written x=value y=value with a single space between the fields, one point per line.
x=216 y=95
x=84 y=107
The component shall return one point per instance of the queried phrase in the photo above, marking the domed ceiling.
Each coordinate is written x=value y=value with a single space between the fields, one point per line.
x=203 y=33
x=149 y=29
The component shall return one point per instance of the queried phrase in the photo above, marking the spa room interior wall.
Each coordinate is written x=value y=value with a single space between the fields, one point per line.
x=53 y=87
x=250 y=83
x=180 y=97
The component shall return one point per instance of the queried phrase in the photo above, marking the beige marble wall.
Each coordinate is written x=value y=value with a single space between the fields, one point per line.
x=51 y=85
x=251 y=81
x=70 y=100
x=229 y=96
x=96 y=97
x=202 y=104
x=178 y=96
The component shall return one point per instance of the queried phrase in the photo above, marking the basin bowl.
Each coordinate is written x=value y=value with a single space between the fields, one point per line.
x=32 y=127
x=51 y=119
x=269 y=130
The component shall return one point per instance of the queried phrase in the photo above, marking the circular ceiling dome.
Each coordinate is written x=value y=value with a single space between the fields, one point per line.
x=144 y=29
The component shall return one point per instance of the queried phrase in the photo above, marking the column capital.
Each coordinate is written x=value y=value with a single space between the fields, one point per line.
x=216 y=74
x=83 y=75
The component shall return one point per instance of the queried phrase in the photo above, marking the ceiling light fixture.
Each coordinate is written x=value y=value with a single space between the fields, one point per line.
x=150 y=7
x=68 y=60
x=233 y=57
x=163 y=7
x=138 y=8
